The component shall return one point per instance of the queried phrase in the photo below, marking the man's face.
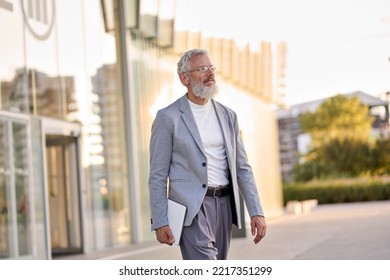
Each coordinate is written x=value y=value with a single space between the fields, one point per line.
x=202 y=84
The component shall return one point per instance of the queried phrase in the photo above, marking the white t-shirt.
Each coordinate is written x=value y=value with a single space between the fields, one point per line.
x=213 y=144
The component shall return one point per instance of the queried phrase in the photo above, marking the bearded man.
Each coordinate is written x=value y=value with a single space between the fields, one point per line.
x=197 y=158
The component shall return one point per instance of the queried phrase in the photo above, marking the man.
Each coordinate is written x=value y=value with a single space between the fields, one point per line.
x=197 y=151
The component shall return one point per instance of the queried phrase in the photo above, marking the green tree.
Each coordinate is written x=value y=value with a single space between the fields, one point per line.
x=339 y=117
x=381 y=157
x=340 y=137
x=346 y=157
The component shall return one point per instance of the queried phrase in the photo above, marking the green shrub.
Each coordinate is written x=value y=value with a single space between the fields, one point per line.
x=339 y=191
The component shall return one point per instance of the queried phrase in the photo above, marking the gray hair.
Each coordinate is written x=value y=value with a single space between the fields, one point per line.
x=182 y=65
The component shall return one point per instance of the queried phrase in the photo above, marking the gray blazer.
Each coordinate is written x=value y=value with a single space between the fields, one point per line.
x=178 y=165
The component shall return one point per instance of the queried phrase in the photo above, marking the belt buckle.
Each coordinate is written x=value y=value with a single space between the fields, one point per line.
x=214 y=192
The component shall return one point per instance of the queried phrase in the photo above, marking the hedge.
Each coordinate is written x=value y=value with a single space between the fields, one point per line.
x=338 y=191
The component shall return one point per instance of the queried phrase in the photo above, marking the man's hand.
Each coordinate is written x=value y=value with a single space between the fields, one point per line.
x=164 y=235
x=258 y=228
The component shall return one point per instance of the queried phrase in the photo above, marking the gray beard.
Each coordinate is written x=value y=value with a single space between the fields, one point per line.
x=204 y=92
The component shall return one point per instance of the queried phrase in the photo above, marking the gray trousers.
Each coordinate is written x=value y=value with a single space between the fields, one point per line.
x=209 y=235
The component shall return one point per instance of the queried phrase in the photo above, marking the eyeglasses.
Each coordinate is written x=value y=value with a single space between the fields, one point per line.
x=203 y=69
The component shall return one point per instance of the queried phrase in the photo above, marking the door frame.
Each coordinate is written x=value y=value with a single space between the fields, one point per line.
x=59 y=127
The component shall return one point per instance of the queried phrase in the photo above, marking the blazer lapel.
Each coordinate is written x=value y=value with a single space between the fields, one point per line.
x=189 y=120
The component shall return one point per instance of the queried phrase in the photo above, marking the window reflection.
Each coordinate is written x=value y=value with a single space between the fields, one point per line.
x=108 y=151
x=15 y=231
x=4 y=199
x=71 y=75
x=13 y=96
x=21 y=176
x=46 y=96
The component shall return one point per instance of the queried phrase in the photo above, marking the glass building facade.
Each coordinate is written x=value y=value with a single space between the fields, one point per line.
x=80 y=84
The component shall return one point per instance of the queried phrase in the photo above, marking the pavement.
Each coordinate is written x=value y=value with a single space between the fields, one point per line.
x=350 y=231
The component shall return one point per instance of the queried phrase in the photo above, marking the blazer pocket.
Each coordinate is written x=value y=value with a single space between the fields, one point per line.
x=173 y=180
x=179 y=172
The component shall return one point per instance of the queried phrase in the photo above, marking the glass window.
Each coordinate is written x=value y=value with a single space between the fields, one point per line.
x=15 y=210
x=12 y=67
x=41 y=51
x=60 y=62
x=107 y=161
x=40 y=240
x=21 y=178
x=4 y=192
x=72 y=75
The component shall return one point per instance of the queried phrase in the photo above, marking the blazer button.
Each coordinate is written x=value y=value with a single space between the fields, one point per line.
x=203 y=164
x=204 y=185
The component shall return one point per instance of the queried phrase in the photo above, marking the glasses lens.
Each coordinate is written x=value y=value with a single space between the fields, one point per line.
x=203 y=69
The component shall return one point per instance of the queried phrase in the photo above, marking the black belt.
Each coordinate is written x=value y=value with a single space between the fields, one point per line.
x=217 y=192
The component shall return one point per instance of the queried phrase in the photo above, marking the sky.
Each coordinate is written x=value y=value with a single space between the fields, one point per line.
x=333 y=46
x=337 y=47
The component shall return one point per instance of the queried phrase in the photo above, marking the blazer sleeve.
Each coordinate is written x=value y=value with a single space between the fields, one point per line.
x=160 y=157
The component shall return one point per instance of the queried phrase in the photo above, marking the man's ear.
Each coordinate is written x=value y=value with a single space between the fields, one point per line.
x=184 y=79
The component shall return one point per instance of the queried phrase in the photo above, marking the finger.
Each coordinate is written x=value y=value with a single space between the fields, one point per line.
x=261 y=230
x=257 y=237
x=255 y=233
x=253 y=228
x=164 y=240
x=168 y=237
x=164 y=235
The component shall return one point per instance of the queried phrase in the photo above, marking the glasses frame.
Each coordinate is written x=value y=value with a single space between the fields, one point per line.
x=203 y=69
